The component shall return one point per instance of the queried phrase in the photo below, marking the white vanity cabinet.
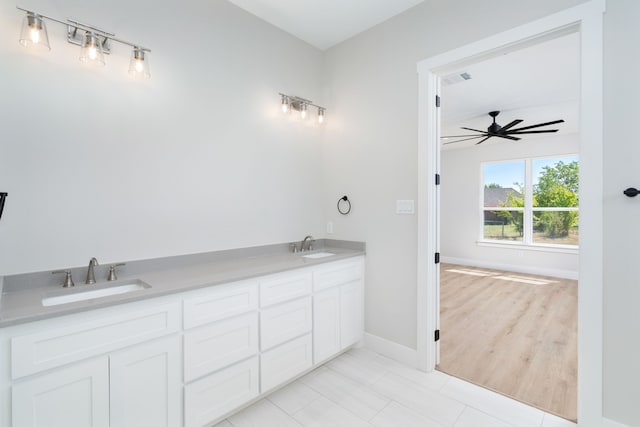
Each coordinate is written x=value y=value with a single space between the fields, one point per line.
x=338 y=307
x=184 y=360
x=118 y=366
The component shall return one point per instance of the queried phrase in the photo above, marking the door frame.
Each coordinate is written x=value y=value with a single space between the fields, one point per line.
x=587 y=19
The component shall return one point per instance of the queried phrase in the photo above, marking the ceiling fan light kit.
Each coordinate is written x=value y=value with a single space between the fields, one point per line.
x=505 y=132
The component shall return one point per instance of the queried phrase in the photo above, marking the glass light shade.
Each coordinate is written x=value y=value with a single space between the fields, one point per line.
x=91 y=51
x=34 y=32
x=320 y=115
x=139 y=64
x=285 y=104
x=303 y=111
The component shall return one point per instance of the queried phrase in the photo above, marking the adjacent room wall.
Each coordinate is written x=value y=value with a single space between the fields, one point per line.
x=198 y=158
x=371 y=145
x=461 y=172
x=621 y=214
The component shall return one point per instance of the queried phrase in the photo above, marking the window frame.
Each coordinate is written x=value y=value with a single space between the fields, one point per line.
x=527 y=241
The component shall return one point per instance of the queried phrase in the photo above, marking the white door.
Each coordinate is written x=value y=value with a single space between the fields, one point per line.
x=326 y=324
x=77 y=396
x=351 y=313
x=146 y=387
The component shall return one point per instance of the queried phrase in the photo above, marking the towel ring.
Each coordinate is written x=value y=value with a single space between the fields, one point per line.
x=347 y=202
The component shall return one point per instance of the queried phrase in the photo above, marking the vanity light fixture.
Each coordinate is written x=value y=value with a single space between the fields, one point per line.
x=139 y=64
x=320 y=115
x=295 y=103
x=94 y=43
x=91 y=50
x=34 y=32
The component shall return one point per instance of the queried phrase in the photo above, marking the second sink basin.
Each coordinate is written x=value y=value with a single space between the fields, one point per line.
x=318 y=255
x=88 y=292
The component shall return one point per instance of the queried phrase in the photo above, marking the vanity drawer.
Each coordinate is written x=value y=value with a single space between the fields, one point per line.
x=219 y=344
x=284 y=287
x=284 y=322
x=337 y=274
x=285 y=362
x=57 y=346
x=210 y=398
x=220 y=302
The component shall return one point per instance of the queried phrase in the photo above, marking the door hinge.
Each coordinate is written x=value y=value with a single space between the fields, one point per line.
x=437 y=179
x=436 y=335
x=437 y=100
x=437 y=258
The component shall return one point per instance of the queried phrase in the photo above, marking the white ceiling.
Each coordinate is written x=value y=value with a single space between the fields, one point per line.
x=540 y=83
x=324 y=23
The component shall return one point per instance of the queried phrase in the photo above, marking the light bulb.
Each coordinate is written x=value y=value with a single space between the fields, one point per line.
x=139 y=66
x=35 y=35
x=303 y=114
x=320 y=115
x=92 y=53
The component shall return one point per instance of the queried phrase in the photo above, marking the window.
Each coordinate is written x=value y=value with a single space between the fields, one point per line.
x=531 y=201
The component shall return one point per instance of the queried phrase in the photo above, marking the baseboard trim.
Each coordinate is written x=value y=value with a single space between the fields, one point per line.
x=541 y=271
x=610 y=423
x=392 y=350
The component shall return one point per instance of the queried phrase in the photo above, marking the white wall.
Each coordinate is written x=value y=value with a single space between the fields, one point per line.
x=198 y=158
x=621 y=214
x=460 y=208
x=371 y=147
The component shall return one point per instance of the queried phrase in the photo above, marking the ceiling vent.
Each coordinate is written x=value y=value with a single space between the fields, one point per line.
x=455 y=78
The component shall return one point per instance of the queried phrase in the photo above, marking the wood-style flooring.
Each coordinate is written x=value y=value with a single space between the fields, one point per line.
x=513 y=333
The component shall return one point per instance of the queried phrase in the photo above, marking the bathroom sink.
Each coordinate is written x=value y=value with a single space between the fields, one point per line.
x=89 y=292
x=318 y=255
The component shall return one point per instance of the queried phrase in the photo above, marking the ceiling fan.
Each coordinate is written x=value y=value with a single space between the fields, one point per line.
x=506 y=132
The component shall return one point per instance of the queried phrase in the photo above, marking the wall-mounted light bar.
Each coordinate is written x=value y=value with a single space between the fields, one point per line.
x=295 y=103
x=94 y=43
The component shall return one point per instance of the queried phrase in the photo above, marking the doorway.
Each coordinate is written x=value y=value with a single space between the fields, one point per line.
x=587 y=20
x=509 y=224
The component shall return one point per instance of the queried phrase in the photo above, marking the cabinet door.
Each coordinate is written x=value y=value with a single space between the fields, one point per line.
x=326 y=324
x=146 y=388
x=351 y=313
x=77 y=396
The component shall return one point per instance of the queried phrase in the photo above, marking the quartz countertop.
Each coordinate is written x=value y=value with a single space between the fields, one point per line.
x=24 y=304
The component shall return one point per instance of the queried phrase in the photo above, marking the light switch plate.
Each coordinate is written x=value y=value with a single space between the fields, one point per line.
x=405 y=207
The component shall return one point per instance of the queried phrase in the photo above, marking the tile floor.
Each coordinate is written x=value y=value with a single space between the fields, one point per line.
x=364 y=389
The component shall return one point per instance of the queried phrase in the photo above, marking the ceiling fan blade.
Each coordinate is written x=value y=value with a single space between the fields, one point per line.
x=466 y=139
x=475 y=130
x=459 y=136
x=510 y=125
x=483 y=140
x=513 y=138
x=537 y=126
x=533 y=131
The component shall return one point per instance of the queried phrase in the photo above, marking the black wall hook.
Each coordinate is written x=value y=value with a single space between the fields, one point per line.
x=3 y=196
x=631 y=192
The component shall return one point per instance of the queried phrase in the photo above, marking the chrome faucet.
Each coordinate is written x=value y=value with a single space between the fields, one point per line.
x=91 y=278
x=310 y=241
